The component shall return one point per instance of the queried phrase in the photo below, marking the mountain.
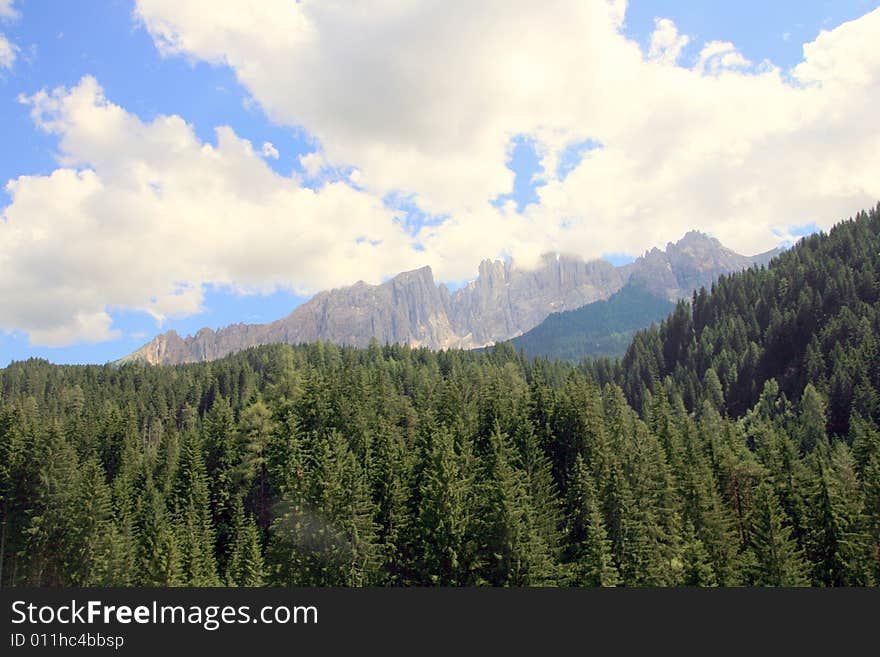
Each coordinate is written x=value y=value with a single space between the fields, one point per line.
x=656 y=280
x=689 y=264
x=601 y=328
x=409 y=307
x=504 y=301
x=811 y=319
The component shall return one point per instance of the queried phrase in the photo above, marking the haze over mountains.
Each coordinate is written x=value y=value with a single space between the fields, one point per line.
x=503 y=302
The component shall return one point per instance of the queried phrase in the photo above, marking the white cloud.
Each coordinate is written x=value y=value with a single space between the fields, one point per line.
x=312 y=163
x=269 y=150
x=142 y=215
x=7 y=10
x=719 y=55
x=424 y=99
x=8 y=50
x=7 y=53
x=666 y=42
x=845 y=58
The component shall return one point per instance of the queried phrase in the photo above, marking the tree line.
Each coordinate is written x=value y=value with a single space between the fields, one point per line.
x=712 y=454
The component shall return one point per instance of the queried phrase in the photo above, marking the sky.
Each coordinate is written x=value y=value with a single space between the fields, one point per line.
x=174 y=165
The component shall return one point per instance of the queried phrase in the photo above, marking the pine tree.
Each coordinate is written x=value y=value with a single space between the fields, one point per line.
x=441 y=521
x=697 y=566
x=542 y=491
x=811 y=420
x=840 y=546
x=159 y=558
x=589 y=549
x=256 y=428
x=704 y=507
x=16 y=489
x=389 y=495
x=221 y=449
x=245 y=563
x=778 y=559
x=508 y=535
x=327 y=536
x=196 y=530
x=346 y=501
x=94 y=526
x=714 y=392
x=119 y=567
x=54 y=542
x=866 y=451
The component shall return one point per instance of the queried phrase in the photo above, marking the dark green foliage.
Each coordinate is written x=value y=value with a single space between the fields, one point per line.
x=736 y=444
x=441 y=520
x=778 y=560
x=811 y=318
x=245 y=564
x=589 y=550
x=600 y=329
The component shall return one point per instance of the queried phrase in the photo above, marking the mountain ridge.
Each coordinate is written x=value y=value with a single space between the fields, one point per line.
x=502 y=302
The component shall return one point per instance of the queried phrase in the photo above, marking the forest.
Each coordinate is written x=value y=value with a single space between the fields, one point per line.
x=600 y=329
x=735 y=444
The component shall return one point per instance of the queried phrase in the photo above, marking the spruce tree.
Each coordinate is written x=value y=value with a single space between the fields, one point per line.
x=697 y=565
x=54 y=541
x=245 y=566
x=778 y=559
x=508 y=534
x=389 y=495
x=194 y=520
x=589 y=551
x=441 y=522
x=159 y=557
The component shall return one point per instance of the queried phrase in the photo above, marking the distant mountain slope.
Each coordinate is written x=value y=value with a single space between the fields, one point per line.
x=504 y=301
x=601 y=328
x=410 y=308
x=689 y=264
x=812 y=317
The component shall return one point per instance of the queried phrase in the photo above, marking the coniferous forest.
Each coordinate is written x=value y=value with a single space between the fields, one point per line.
x=738 y=443
x=601 y=328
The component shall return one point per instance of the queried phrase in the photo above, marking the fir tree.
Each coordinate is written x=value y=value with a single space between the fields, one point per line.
x=778 y=559
x=589 y=549
x=441 y=521
x=245 y=565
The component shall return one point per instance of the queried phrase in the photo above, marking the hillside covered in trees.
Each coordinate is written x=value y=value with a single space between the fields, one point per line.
x=735 y=444
x=812 y=318
x=600 y=329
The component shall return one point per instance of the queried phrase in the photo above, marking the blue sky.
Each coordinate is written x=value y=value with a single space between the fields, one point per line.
x=60 y=42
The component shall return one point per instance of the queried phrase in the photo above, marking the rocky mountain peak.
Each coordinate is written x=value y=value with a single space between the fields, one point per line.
x=502 y=302
x=420 y=276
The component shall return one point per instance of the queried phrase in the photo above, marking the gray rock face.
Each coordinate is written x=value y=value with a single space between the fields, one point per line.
x=503 y=302
x=407 y=308
x=689 y=264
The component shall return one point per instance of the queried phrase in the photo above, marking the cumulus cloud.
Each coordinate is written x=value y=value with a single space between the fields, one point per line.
x=312 y=163
x=718 y=55
x=425 y=98
x=8 y=50
x=269 y=150
x=7 y=53
x=666 y=42
x=144 y=215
